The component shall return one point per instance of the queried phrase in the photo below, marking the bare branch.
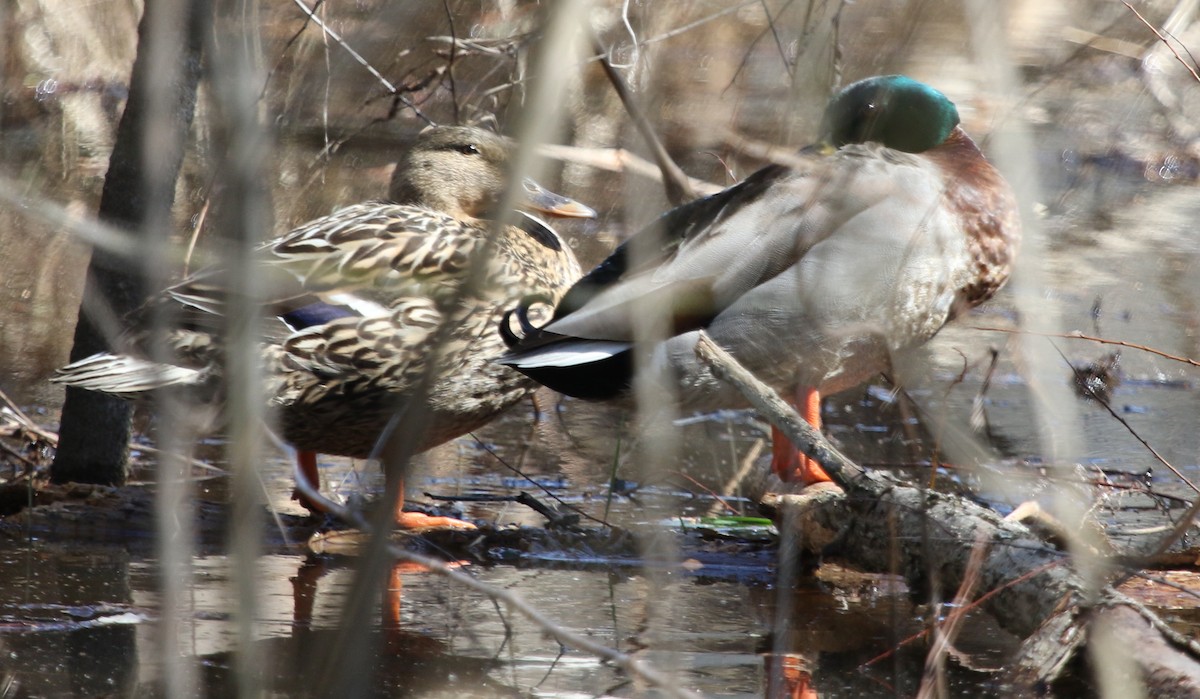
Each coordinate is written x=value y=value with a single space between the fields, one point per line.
x=679 y=189
x=1189 y=68
x=1124 y=423
x=568 y=637
x=804 y=436
x=619 y=160
x=362 y=61
x=1092 y=338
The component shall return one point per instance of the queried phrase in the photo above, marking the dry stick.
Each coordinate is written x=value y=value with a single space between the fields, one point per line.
x=24 y=422
x=618 y=160
x=1127 y=426
x=841 y=469
x=1163 y=39
x=287 y=46
x=196 y=229
x=1183 y=588
x=1176 y=534
x=311 y=14
x=1181 y=527
x=1116 y=599
x=869 y=487
x=30 y=463
x=1091 y=338
x=683 y=29
x=1184 y=523
x=451 y=59
x=679 y=190
x=58 y=217
x=579 y=511
x=633 y=666
x=967 y=608
x=1052 y=613
x=523 y=498
x=563 y=635
x=947 y=630
x=744 y=469
x=720 y=499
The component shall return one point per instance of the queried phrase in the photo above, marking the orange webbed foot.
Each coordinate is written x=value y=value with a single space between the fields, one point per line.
x=787 y=462
x=419 y=521
x=306 y=470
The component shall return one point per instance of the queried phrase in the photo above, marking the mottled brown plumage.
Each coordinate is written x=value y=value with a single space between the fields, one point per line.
x=987 y=213
x=363 y=293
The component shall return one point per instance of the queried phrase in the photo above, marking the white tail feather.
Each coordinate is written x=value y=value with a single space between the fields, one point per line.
x=124 y=376
x=567 y=354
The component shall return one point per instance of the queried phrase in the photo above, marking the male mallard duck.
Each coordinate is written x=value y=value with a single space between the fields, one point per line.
x=362 y=293
x=813 y=275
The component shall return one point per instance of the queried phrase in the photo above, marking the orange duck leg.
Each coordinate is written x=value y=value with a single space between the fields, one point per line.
x=786 y=461
x=306 y=462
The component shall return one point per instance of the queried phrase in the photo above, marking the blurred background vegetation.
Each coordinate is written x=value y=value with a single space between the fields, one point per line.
x=1108 y=108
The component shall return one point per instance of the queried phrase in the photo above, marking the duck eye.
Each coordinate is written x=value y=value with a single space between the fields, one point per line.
x=469 y=149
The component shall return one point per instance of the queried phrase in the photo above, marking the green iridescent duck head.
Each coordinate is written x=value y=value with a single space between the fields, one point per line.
x=893 y=110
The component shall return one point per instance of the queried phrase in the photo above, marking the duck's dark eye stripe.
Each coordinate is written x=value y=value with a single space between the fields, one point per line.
x=469 y=149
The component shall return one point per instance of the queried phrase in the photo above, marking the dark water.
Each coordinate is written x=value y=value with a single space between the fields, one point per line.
x=1116 y=213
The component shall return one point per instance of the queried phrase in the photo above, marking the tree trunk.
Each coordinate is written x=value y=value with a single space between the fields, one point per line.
x=138 y=195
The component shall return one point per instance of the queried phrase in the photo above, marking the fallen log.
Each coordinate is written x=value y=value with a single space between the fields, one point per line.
x=1031 y=587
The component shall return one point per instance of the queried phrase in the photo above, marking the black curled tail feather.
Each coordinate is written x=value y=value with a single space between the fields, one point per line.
x=529 y=331
x=596 y=380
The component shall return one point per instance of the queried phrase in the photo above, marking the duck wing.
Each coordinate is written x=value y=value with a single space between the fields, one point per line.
x=357 y=258
x=658 y=245
x=362 y=280
x=745 y=254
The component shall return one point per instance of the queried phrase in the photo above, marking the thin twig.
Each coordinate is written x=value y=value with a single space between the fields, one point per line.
x=973 y=605
x=25 y=422
x=947 y=630
x=567 y=637
x=720 y=499
x=675 y=181
x=1090 y=338
x=804 y=436
x=618 y=160
x=683 y=29
x=361 y=61
x=287 y=46
x=554 y=518
x=744 y=468
x=486 y=447
x=1116 y=599
x=634 y=666
x=1177 y=532
x=30 y=463
x=749 y=50
x=451 y=59
x=55 y=216
x=788 y=66
x=1104 y=403
x=49 y=437
x=1163 y=39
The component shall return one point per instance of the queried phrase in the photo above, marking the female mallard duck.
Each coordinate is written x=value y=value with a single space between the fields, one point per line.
x=813 y=275
x=362 y=294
